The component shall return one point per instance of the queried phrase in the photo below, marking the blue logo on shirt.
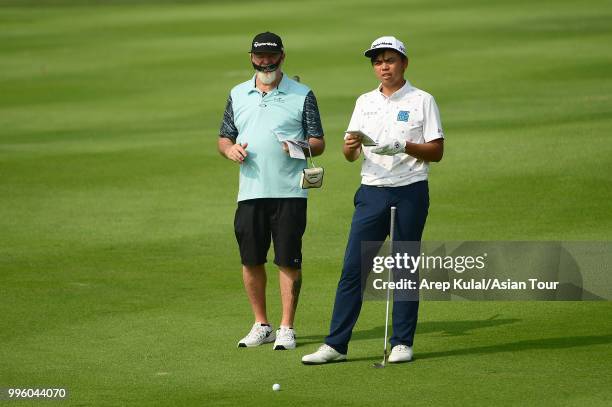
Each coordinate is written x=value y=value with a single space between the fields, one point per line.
x=402 y=116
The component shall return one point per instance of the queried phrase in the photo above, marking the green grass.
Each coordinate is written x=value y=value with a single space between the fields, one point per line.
x=119 y=272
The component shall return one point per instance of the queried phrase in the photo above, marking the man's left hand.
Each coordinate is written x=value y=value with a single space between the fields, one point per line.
x=392 y=148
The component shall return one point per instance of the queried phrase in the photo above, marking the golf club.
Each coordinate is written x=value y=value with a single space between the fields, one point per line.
x=391 y=229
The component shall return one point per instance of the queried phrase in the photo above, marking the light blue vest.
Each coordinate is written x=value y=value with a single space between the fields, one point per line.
x=269 y=172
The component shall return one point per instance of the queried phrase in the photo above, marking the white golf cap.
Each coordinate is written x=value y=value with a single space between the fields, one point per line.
x=386 y=42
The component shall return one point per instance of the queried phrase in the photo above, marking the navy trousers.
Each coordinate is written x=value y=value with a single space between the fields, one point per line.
x=371 y=223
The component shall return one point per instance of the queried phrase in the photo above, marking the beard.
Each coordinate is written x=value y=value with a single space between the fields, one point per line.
x=267 y=78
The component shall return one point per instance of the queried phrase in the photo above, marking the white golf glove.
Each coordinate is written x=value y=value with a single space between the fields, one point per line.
x=391 y=148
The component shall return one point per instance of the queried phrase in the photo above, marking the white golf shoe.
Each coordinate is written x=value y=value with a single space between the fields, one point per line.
x=325 y=354
x=400 y=354
x=259 y=335
x=285 y=339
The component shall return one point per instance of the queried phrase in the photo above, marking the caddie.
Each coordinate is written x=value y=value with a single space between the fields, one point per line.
x=259 y=114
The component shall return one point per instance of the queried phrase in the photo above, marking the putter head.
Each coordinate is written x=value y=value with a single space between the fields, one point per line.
x=381 y=365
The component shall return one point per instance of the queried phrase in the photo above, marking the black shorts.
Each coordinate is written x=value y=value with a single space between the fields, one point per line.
x=281 y=220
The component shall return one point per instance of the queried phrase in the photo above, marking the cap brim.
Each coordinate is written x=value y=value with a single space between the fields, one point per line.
x=369 y=53
x=272 y=51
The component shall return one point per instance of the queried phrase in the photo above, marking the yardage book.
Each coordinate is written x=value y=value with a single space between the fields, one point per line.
x=365 y=139
x=296 y=147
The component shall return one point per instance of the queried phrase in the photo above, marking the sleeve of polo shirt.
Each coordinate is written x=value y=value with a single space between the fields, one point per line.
x=432 y=126
x=228 y=127
x=311 y=119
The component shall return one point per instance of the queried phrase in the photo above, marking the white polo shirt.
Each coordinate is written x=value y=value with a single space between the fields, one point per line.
x=408 y=114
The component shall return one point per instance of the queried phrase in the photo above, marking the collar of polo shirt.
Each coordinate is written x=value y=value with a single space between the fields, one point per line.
x=398 y=93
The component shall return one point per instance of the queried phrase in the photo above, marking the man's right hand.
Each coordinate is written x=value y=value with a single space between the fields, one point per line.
x=237 y=152
x=352 y=147
x=352 y=142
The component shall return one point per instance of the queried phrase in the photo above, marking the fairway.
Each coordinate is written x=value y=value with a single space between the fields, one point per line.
x=119 y=271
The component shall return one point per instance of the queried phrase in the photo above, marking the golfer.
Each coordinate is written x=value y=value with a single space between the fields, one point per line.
x=405 y=123
x=261 y=112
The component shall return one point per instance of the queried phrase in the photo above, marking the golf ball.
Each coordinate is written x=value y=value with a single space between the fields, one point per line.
x=276 y=387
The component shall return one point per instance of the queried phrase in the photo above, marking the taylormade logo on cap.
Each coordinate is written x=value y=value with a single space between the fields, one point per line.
x=387 y=42
x=259 y=44
x=380 y=44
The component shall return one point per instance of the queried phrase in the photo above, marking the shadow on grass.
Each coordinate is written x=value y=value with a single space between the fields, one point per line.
x=547 y=343
x=530 y=344
x=458 y=328
x=449 y=328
